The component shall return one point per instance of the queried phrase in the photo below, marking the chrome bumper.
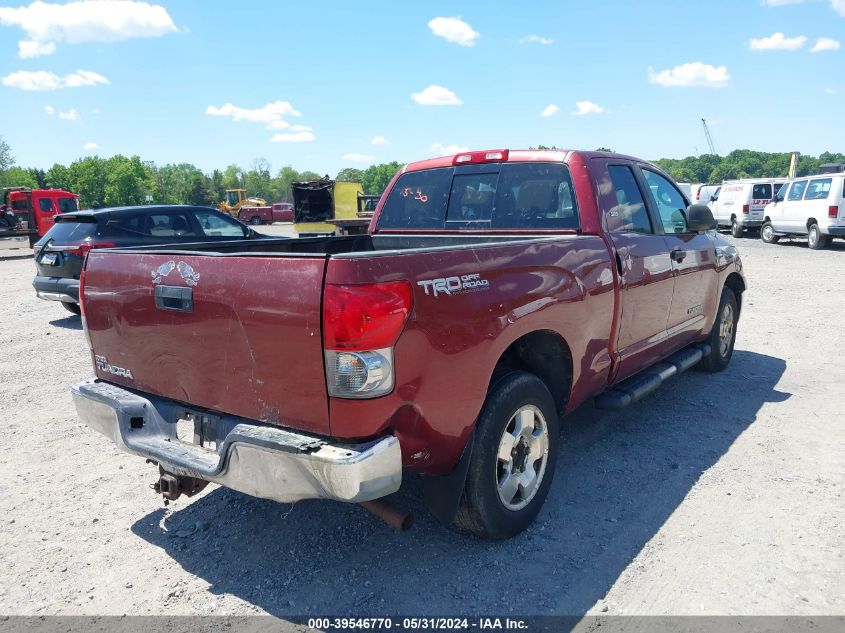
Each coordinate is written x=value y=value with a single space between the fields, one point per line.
x=262 y=461
x=55 y=296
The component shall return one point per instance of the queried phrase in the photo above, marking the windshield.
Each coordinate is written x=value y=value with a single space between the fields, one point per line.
x=506 y=196
x=67 y=205
x=231 y=198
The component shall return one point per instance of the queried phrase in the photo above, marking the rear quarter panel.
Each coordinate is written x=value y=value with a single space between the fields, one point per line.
x=446 y=355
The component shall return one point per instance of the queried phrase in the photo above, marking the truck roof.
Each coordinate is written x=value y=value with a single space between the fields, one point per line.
x=516 y=156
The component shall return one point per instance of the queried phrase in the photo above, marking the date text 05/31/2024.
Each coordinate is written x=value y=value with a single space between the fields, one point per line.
x=424 y=623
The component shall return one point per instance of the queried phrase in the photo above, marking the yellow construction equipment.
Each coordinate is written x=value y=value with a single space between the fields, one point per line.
x=236 y=198
x=793 y=165
x=325 y=206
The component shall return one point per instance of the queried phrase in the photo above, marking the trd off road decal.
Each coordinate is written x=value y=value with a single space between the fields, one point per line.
x=185 y=270
x=454 y=285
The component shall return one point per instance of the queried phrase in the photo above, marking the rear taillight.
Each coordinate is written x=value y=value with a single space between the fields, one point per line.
x=81 y=249
x=361 y=323
x=745 y=209
x=833 y=211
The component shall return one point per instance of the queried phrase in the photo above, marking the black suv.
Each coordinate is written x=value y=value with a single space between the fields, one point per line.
x=59 y=255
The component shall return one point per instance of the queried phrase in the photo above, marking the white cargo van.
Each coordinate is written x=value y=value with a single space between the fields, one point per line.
x=700 y=193
x=739 y=204
x=811 y=207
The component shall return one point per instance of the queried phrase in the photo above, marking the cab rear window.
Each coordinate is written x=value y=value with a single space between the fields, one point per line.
x=492 y=196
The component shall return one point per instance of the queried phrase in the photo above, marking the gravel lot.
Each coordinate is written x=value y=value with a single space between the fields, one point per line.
x=716 y=495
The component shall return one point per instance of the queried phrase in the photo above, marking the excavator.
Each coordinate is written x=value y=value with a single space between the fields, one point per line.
x=236 y=198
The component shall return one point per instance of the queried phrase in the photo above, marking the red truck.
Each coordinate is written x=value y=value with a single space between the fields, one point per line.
x=278 y=212
x=495 y=292
x=35 y=209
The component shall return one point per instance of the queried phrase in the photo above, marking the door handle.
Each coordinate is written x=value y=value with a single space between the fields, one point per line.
x=678 y=255
x=175 y=298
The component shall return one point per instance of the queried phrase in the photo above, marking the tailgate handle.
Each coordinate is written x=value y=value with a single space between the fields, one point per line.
x=175 y=298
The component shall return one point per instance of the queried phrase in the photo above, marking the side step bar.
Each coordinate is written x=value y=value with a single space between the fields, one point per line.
x=640 y=385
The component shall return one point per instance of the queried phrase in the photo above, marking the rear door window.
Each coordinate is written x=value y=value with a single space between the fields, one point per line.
x=796 y=191
x=162 y=225
x=818 y=189
x=46 y=205
x=761 y=191
x=629 y=215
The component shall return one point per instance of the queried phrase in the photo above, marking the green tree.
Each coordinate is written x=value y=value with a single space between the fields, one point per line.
x=6 y=158
x=128 y=181
x=17 y=177
x=58 y=177
x=376 y=177
x=350 y=174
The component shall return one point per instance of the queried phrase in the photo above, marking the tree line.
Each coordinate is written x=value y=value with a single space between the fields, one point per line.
x=121 y=180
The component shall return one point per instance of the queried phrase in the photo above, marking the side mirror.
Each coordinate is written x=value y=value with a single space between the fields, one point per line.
x=700 y=218
x=777 y=198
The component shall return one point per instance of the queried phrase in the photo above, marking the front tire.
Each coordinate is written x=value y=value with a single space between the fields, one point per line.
x=513 y=458
x=816 y=240
x=736 y=229
x=72 y=307
x=767 y=234
x=723 y=334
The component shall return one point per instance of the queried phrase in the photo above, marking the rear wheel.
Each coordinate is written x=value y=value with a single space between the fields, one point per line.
x=513 y=458
x=255 y=220
x=72 y=307
x=723 y=334
x=815 y=238
x=767 y=234
x=736 y=229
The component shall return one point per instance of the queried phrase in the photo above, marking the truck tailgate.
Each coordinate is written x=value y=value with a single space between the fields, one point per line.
x=238 y=335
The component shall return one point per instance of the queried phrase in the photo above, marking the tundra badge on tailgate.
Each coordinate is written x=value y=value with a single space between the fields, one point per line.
x=103 y=365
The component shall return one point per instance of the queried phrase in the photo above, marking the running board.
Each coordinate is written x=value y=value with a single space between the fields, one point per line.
x=640 y=385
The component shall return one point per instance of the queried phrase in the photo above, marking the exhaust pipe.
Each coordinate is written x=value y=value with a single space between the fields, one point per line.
x=399 y=520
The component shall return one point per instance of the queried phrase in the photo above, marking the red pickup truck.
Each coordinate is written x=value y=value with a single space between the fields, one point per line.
x=278 y=212
x=495 y=292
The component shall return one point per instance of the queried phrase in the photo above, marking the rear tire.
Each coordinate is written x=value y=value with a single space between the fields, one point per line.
x=72 y=307
x=723 y=334
x=767 y=234
x=816 y=240
x=513 y=458
x=736 y=229
x=255 y=220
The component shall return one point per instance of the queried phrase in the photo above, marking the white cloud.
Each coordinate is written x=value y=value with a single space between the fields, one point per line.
x=825 y=44
x=838 y=6
x=42 y=80
x=690 y=74
x=549 y=110
x=379 y=140
x=50 y=110
x=355 y=157
x=70 y=115
x=448 y=150
x=83 y=21
x=272 y=114
x=28 y=49
x=587 y=107
x=537 y=39
x=436 y=95
x=454 y=30
x=90 y=147
x=304 y=136
x=777 y=42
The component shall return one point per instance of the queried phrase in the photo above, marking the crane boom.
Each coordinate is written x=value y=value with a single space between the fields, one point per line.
x=708 y=137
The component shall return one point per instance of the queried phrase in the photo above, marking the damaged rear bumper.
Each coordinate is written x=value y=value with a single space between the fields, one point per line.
x=262 y=461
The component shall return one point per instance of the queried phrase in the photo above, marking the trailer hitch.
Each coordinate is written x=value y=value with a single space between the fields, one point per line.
x=171 y=486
